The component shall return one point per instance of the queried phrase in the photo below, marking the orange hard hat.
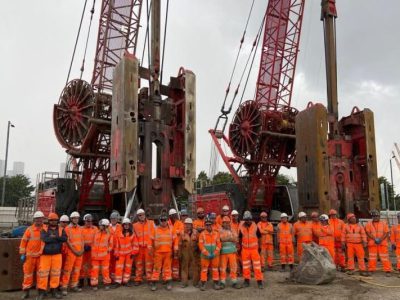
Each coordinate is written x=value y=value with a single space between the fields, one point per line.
x=332 y=212
x=350 y=215
x=263 y=214
x=314 y=214
x=52 y=216
x=226 y=219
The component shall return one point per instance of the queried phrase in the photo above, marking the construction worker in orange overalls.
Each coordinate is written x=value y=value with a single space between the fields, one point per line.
x=210 y=246
x=188 y=245
x=337 y=226
x=235 y=227
x=315 y=224
x=285 y=239
x=53 y=239
x=143 y=229
x=324 y=233
x=103 y=244
x=115 y=229
x=377 y=232
x=395 y=241
x=229 y=239
x=267 y=245
x=125 y=250
x=88 y=232
x=302 y=232
x=165 y=245
x=213 y=217
x=224 y=213
x=354 y=240
x=177 y=229
x=64 y=222
x=30 y=250
x=73 y=260
x=249 y=235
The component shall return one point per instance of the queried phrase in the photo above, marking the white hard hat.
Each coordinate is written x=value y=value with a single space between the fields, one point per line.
x=38 y=214
x=302 y=214
x=247 y=215
x=188 y=221
x=104 y=222
x=172 y=212
x=114 y=215
x=284 y=215
x=126 y=221
x=324 y=217
x=225 y=207
x=234 y=212
x=75 y=214
x=140 y=211
x=64 y=218
x=87 y=217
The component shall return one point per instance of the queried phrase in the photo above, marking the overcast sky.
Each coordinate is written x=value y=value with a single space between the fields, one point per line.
x=37 y=39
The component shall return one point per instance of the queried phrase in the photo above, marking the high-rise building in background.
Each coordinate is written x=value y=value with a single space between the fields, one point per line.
x=18 y=168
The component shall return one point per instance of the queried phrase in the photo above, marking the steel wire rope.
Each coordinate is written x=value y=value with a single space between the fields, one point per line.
x=164 y=39
x=87 y=39
x=148 y=39
x=76 y=42
x=147 y=33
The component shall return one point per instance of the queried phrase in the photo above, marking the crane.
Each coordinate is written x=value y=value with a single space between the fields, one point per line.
x=336 y=159
x=262 y=132
x=118 y=130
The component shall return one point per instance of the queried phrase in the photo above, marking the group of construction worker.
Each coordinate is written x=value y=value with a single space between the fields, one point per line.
x=63 y=255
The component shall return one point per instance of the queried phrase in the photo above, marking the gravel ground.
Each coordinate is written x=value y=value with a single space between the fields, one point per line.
x=276 y=286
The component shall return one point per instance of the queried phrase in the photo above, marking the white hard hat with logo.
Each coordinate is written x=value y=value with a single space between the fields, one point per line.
x=126 y=221
x=74 y=214
x=302 y=214
x=234 y=212
x=284 y=215
x=38 y=214
x=64 y=218
x=140 y=211
x=188 y=221
x=172 y=211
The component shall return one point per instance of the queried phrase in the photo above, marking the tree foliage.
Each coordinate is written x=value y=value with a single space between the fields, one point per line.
x=16 y=187
x=388 y=194
x=222 y=177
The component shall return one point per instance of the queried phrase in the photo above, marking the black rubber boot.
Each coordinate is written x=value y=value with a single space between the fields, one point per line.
x=56 y=294
x=115 y=285
x=203 y=286
x=260 y=284
x=246 y=283
x=283 y=268
x=153 y=286
x=169 y=285
x=291 y=267
x=216 y=285
x=25 y=294
x=40 y=295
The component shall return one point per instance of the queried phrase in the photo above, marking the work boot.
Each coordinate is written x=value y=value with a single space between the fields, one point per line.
x=184 y=285
x=246 y=283
x=350 y=272
x=40 y=295
x=76 y=289
x=291 y=267
x=153 y=286
x=203 y=286
x=55 y=294
x=283 y=268
x=365 y=274
x=270 y=268
x=137 y=283
x=236 y=285
x=260 y=284
x=263 y=269
x=115 y=285
x=169 y=285
x=342 y=269
x=216 y=285
x=107 y=287
x=129 y=284
x=222 y=285
x=64 y=291
x=25 y=294
x=81 y=283
x=388 y=274
x=95 y=288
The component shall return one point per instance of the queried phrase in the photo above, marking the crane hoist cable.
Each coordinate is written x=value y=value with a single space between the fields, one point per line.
x=148 y=6
x=164 y=39
x=147 y=32
x=76 y=42
x=87 y=38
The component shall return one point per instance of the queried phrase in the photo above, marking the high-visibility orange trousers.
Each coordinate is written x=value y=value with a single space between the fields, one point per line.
x=71 y=271
x=267 y=254
x=112 y=265
x=86 y=265
x=205 y=264
x=30 y=268
x=355 y=250
x=143 y=259
x=162 y=262
x=340 y=258
x=300 y=249
x=286 y=253
x=398 y=255
x=250 y=256
x=49 y=265
x=123 y=269
x=225 y=261
x=383 y=253
x=175 y=268
x=331 y=250
x=105 y=271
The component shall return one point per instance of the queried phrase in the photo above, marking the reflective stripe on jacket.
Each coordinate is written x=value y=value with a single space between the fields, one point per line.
x=267 y=230
x=377 y=230
x=30 y=243
x=102 y=245
x=209 y=243
x=249 y=236
x=353 y=234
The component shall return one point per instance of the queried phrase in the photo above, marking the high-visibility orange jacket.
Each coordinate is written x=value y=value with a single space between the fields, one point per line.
x=303 y=232
x=249 y=236
x=177 y=227
x=337 y=226
x=198 y=223
x=353 y=234
x=377 y=230
x=30 y=244
x=325 y=235
x=395 y=235
x=88 y=234
x=102 y=245
x=285 y=233
x=315 y=225
x=218 y=220
x=75 y=237
x=127 y=244
x=267 y=230
x=209 y=243
x=235 y=227
x=228 y=238
x=143 y=232
x=164 y=240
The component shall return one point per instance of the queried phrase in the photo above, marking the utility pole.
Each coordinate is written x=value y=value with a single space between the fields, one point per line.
x=5 y=163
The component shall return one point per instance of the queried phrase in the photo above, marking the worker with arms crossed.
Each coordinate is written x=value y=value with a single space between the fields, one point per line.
x=337 y=226
x=302 y=232
x=188 y=247
x=285 y=237
x=267 y=245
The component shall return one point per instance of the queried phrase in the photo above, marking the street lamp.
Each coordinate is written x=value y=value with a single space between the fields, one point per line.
x=5 y=163
x=391 y=179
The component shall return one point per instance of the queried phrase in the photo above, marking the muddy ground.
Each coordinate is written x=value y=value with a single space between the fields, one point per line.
x=276 y=286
